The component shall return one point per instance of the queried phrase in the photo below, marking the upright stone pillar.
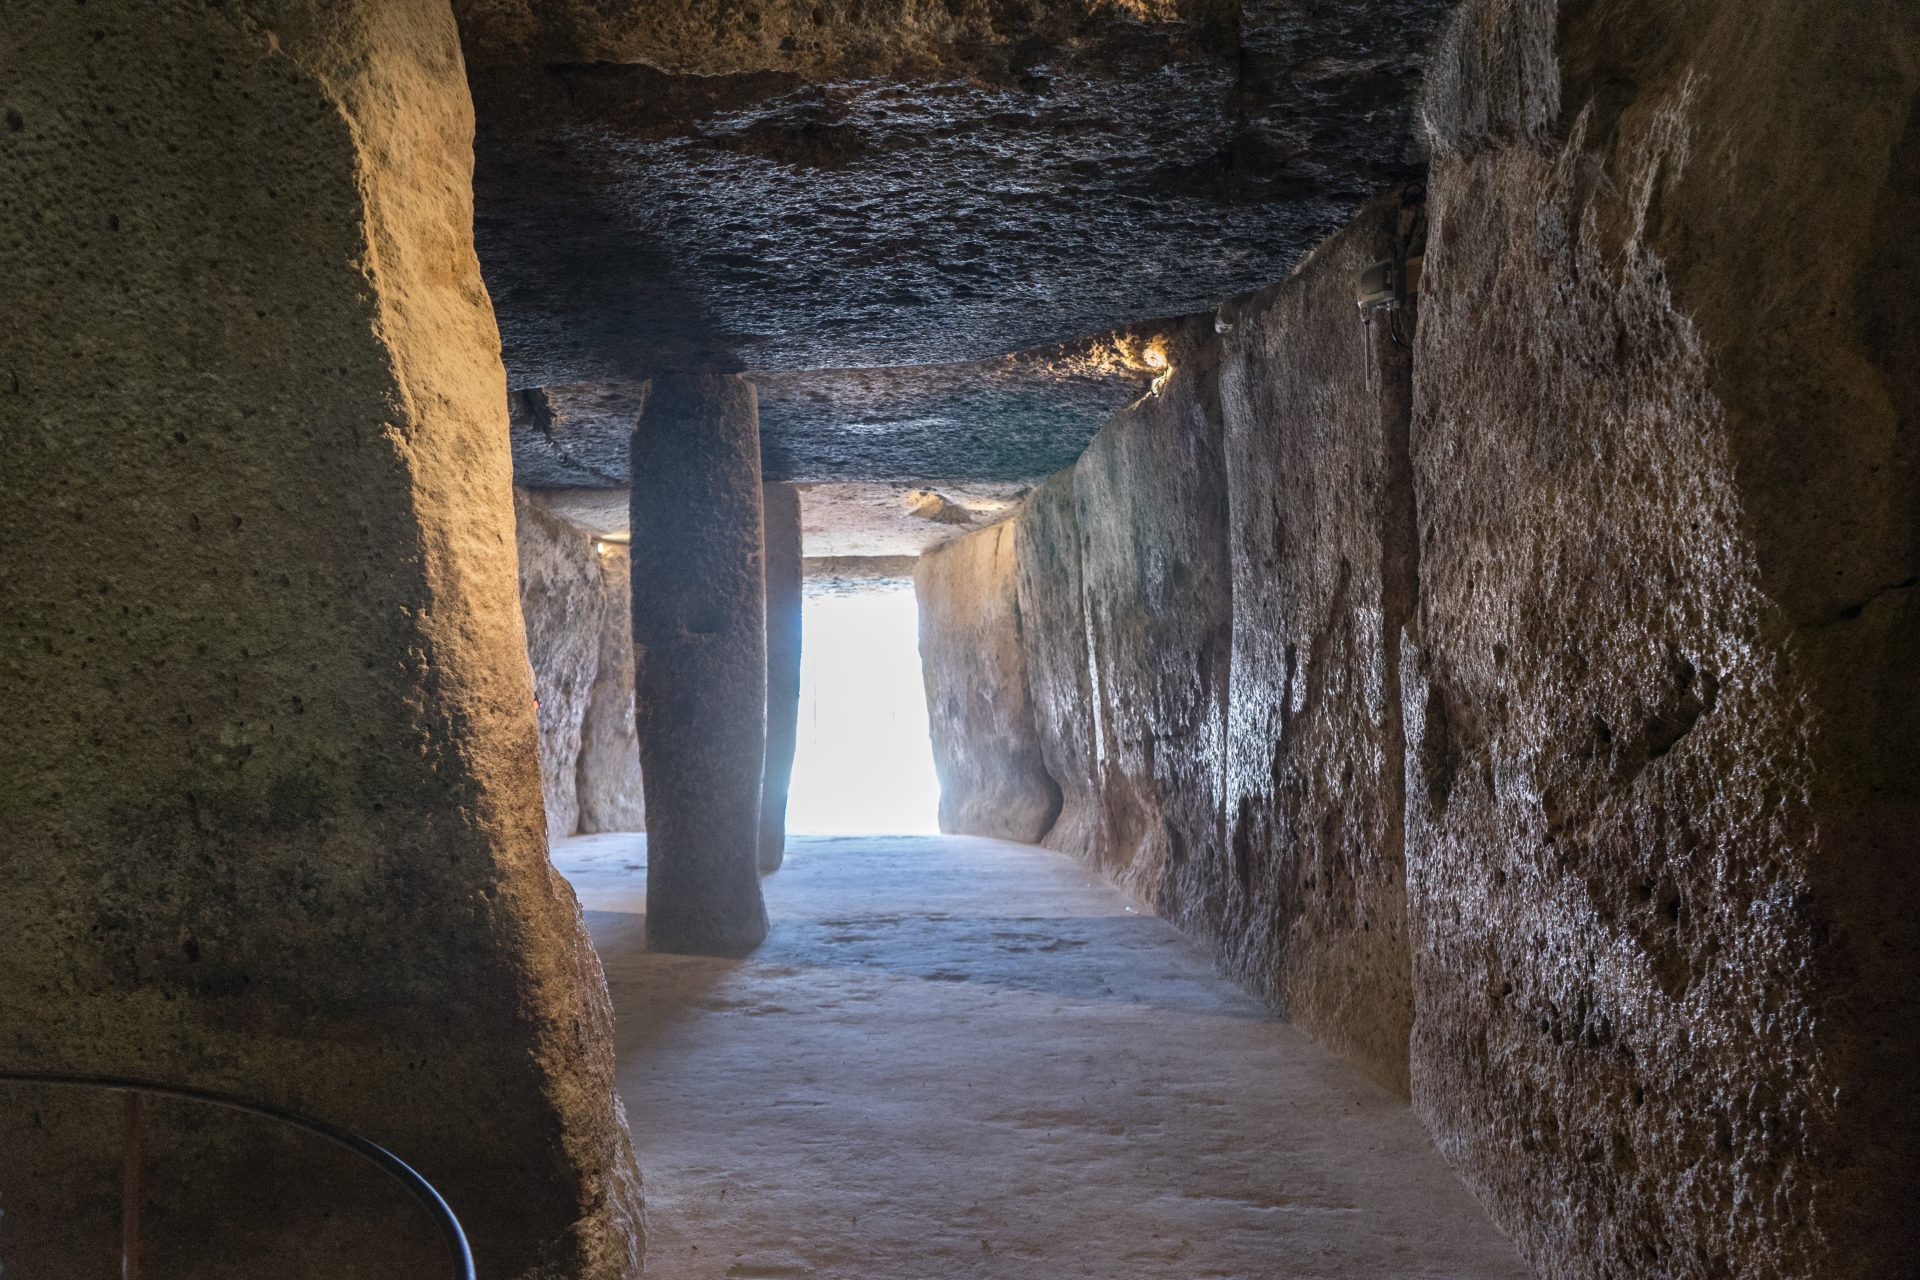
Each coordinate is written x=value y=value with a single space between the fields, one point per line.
x=700 y=660
x=783 y=667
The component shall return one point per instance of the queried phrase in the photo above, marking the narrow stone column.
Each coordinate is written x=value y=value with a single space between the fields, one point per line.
x=782 y=504
x=700 y=660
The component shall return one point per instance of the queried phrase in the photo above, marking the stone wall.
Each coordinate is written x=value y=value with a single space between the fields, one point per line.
x=1308 y=903
x=1211 y=601
x=574 y=594
x=1666 y=757
x=1535 y=716
x=608 y=778
x=986 y=752
x=1053 y=641
x=1150 y=506
x=566 y=604
x=269 y=796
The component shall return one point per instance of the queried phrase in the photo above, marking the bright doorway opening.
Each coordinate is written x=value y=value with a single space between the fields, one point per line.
x=864 y=761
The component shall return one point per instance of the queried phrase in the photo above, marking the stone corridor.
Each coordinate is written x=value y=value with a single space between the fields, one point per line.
x=1418 y=498
x=965 y=1057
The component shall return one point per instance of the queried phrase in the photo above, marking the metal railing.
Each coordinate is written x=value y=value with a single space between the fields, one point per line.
x=135 y=1091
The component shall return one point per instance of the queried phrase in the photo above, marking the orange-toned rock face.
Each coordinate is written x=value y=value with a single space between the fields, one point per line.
x=269 y=797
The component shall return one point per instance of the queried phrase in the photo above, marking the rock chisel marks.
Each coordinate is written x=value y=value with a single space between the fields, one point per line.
x=700 y=659
x=781 y=508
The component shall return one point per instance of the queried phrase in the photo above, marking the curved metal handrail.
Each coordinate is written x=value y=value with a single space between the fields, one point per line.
x=399 y=1170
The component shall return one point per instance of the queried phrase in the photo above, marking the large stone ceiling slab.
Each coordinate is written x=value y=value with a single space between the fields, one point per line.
x=1013 y=418
x=781 y=187
x=853 y=521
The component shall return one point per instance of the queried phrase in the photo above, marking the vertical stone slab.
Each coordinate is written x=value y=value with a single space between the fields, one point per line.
x=1665 y=776
x=564 y=601
x=270 y=814
x=700 y=660
x=1053 y=639
x=1150 y=496
x=612 y=795
x=1316 y=410
x=781 y=506
x=986 y=751
x=1212 y=600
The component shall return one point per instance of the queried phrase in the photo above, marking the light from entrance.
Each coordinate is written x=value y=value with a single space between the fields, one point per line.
x=864 y=762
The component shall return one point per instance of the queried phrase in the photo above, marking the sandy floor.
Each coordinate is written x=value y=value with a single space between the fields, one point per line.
x=959 y=1057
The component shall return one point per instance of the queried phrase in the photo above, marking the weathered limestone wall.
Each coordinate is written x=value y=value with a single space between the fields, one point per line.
x=612 y=797
x=270 y=811
x=1150 y=502
x=1058 y=664
x=564 y=600
x=1666 y=783
x=1103 y=604
x=1211 y=601
x=985 y=748
x=575 y=597
x=1570 y=764
x=1309 y=901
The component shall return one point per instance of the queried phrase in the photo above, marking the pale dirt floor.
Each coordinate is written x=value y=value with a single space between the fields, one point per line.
x=962 y=1057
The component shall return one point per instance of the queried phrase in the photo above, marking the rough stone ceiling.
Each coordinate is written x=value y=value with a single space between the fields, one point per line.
x=861 y=201
x=849 y=521
x=1012 y=418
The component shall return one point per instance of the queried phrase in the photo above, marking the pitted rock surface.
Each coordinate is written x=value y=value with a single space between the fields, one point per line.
x=1009 y=419
x=269 y=785
x=1210 y=609
x=1309 y=903
x=1663 y=786
x=804 y=187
